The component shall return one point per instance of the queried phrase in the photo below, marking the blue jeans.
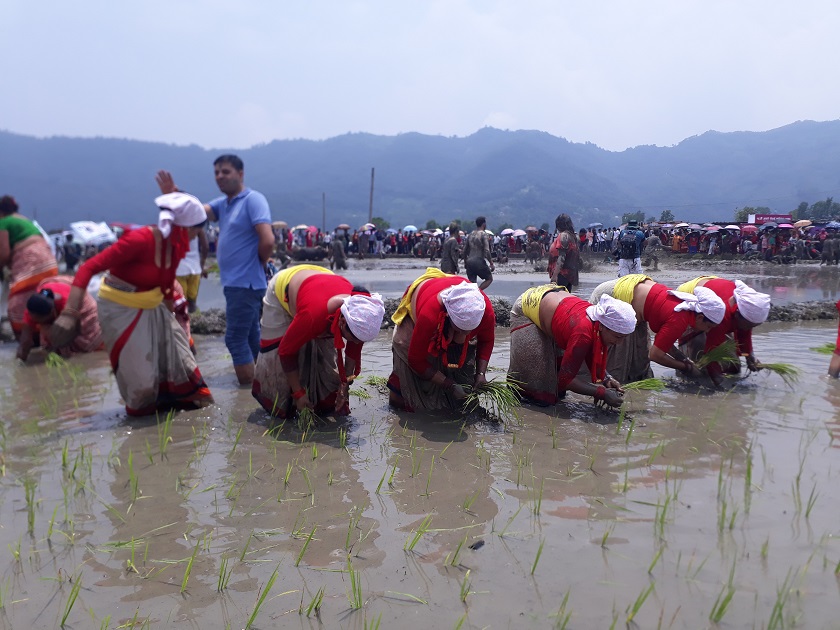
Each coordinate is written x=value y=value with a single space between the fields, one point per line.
x=242 y=333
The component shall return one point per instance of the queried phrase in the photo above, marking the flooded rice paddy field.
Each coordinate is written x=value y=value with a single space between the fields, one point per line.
x=702 y=509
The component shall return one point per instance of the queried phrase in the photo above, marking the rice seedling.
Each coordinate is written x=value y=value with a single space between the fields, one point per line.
x=355 y=517
x=245 y=548
x=374 y=623
x=499 y=398
x=261 y=598
x=4 y=593
x=789 y=373
x=724 y=354
x=342 y=438
x=429 y=478
x=537 y=497
x=188 y=570
x=359 y=392
x=465 y=586
x=469 y=500
x=607 y=533
x=826 y=348
x=647 y=384
x=225 y=571
x=132 y=477
x=381 y=481
x=305 y=545
x=721 y=603
x=165 y=433
x=308 y=481
x=537 y=558
x=636 y=606
x=416 y=535
x=314 y=451
x=288 y=474
x=307 y=419
x=563 y=617
x=656 y=558
x=71 y=599
x=777 y=615
x=765 y=548
x=29 y=486
x=454 y=559
x=315 y=603
x=354 y=596
x=812 y=500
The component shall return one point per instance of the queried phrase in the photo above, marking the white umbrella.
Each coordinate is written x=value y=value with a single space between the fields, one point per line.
x=489 y=232
x=681 y=225
x=506 y=232
x=410 y=228
x=368 y=226
x=437 y=232
x=519 y=233
x=732 y=227
x=302 y=226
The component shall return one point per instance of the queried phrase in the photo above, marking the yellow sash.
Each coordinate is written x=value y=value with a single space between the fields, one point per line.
x=143 y=299
x=405 y=303
x=624 y=287
x=283 y=278
x=688 y=287
x=531 y=301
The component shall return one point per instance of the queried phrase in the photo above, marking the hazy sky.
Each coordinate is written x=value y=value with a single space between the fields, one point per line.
x=235 y=73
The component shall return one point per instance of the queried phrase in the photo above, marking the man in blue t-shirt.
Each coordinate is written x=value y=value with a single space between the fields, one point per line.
x=630 y=249
x=245 y=243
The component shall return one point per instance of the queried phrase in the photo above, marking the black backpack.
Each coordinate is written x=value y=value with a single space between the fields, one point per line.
x=627 y=244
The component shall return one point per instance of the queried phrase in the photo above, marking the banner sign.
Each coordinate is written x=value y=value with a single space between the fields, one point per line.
x=764 y=218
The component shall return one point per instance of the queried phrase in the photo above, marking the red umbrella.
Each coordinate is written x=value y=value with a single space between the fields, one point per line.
x=713 y=228
x=749 y=228
x=312 y=228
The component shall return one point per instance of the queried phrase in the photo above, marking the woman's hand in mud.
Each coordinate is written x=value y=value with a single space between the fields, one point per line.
x=63 y=330
x=343 y=396
x=480 y=380
x=611 y=383
x=458 y=392
x=303 y=403
x=692 y=370
x=613 y=397
x=752 y=364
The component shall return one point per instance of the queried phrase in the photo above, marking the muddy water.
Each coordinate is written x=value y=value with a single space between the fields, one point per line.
x=784 y=283
x=707 y=491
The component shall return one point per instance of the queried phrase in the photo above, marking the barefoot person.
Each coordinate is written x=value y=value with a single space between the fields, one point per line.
x=564 y=255
x=309 y=315
x=42 y=309
x=669 y=314
x=746 y=308
x=443 y=341
x=149 y=351
x=553 y=333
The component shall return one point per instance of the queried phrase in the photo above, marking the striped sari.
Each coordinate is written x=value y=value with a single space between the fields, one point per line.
x=32 y=262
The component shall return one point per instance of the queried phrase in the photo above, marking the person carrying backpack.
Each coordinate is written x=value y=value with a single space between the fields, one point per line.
x=630 y=249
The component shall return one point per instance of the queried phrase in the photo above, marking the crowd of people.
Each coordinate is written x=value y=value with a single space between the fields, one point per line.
x=296 y=336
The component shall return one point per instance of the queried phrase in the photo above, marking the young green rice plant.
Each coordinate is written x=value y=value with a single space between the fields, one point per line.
x=314 y=451
x=812 y=500
x=4 y=593
x=656 y=558
x=537 y=558
x=826 y=348
x=563 y=617
x=354 y=596
x=636 y=606
x=429 y=478
x=724 y=354
x=288 y=474
x=315 y=603
x=374 y=623
x=307 y=420
x=721 y=604
x=165 y=433
x=499 y=398
x=469 y=500
x=71 y=599
x=342 y=438
x=308 y=481
x=262 y=597
x=465 y=586
x=132 y=477
x=379 y=382
x=647 y=384
x=29 y=486
x=777 y=615
x=245 y=548
x=188 y=570
x=225 y=571
x=416 y=535
x=361 y=393
x=537 y=496
x=789 y=373
x=607 y=533
x=305 y=545
x=455 y=559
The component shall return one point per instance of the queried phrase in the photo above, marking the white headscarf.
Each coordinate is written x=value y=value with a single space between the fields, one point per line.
x=179 y=209
x=753 y=306
x=363 y=314
x=616 y=315
x=704 y=301
x=464 y=304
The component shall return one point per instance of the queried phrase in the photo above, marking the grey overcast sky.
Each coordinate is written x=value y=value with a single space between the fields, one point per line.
x=235 y=73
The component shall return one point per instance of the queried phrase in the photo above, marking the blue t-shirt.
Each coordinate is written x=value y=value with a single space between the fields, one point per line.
x=237 y=251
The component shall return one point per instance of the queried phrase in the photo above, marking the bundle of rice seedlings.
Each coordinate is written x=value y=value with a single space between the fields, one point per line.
x=788 y=372
x=826 y=348
x=499 y=398
x=647 y=384
x=307 y=419
x=725 y=354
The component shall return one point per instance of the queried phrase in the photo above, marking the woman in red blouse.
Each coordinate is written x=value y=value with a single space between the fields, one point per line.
x=149 y=351
x=309 y=316
x=443 y=340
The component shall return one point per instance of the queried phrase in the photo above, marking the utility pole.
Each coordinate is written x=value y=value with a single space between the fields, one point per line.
x=370 y=208
x=324 y=212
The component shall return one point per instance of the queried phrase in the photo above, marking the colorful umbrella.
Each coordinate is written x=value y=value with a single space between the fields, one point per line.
x=785 y=226
x=749 y=228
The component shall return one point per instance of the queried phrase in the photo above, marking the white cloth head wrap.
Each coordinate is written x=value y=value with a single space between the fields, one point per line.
x=704 y=301
x=616 y=315
x=180 y=209
x=753 y=306
x=363 y=314
x=464 y=304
